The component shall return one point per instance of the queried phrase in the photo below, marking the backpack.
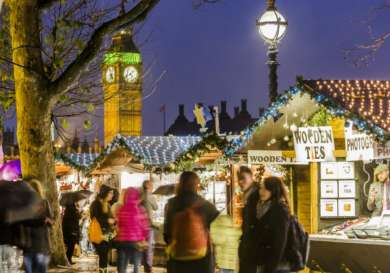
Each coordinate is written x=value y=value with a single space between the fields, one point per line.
x=190 y=237
x=297 y=249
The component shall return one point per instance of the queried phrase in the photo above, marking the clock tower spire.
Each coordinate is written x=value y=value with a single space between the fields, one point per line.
x=122 y=85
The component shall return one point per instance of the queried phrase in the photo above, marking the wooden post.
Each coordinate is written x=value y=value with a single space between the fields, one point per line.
x=314 y=215
x=291 y=188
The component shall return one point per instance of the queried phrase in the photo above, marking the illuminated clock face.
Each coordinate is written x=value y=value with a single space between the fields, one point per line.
x=110 y=74
x=130 y=74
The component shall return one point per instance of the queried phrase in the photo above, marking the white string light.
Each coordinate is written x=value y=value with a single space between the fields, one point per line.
x=368 y=98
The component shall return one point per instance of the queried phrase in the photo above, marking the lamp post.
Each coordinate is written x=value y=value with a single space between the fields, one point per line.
x=272 y=27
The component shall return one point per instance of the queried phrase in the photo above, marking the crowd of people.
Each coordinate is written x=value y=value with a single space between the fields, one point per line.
x=199 y=239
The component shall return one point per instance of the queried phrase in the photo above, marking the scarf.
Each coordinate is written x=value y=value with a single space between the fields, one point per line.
x=262 y=208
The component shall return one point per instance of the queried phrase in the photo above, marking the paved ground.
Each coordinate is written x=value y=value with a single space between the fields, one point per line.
x=88 y=264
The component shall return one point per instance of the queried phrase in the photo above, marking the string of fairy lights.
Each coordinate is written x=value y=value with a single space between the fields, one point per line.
x=369 y=98
x=174 y=151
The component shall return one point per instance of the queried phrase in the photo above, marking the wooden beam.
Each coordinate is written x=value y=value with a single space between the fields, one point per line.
x=314 y=215
x=337 y=153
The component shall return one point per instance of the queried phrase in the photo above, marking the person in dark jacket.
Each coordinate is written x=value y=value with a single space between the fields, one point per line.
x=247 y=247
x=273 y=218
x=36 y=249
x=100 y=209
x=187 y=197
x=71 y=229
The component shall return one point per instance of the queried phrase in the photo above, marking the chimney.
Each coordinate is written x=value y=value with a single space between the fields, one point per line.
x=261 y=111
x=181 y=109
x=244 y=107
x=236 y=111
x=223 y=106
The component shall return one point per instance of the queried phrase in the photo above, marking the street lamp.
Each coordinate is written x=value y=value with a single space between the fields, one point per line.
x=272 y=27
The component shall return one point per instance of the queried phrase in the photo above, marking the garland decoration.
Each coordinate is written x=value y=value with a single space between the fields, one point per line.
x=332 y=108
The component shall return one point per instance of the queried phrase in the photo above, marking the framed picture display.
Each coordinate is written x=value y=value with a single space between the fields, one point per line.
x=329 y=208
x=346 y=170
x=347 y=189
x=329 y=189
x=329 y=170
x=347 y=207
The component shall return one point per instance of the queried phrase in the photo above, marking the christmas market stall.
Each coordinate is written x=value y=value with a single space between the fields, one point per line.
x=327 y=137
x=161 y=159
x=72 y=169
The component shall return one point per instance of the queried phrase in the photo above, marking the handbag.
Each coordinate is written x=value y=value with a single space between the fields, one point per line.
x=141 y=246
x=95 y=233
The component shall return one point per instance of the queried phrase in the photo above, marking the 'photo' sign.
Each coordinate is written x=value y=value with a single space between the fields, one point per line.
x=382 y=151
x=257 y=157
x=364 y=147
x=359 y=147
x=314 y=144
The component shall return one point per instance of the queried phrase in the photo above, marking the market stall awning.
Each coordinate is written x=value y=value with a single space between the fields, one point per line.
x=78 y=161
x=272 y=130
x=140 y=152
x=160 y=150
x=170 y=153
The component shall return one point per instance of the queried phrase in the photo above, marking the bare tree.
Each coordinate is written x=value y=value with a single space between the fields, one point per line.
x=54 y=44
x=48 y=66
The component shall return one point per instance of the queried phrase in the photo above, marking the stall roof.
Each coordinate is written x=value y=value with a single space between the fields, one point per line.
x=368 y=114
x=154 y=150
x=369 y=99
x=148 y=150
x=77 y=160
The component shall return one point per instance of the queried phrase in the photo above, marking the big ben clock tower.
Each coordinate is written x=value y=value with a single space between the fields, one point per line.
x=122 y=84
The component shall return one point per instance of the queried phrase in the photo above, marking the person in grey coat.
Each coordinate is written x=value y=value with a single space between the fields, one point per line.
x=149 y=202
x=379 y=194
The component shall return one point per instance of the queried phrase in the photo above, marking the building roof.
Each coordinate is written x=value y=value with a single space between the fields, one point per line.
x=369 y=99
x=182 y=126
x=123 y=42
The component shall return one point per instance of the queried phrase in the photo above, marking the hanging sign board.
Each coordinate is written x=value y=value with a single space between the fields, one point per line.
x=257 y=157
x=359 y=147
x=314 y=144
x=364 y=147
x=382 y=151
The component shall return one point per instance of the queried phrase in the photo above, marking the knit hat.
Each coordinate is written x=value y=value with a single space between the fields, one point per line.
x=379 y=169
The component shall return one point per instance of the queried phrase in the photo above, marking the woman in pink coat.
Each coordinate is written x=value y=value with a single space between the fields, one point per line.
x=133 y=230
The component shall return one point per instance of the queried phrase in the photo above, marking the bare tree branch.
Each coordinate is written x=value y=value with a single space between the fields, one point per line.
x=44 y=4
x=71 y=75
x=361 y=54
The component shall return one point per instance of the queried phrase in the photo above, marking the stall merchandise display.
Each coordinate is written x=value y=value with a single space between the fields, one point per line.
x=341 y=228
x=216 y=194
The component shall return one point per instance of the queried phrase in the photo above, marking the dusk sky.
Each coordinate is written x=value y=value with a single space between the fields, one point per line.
x=215 y=53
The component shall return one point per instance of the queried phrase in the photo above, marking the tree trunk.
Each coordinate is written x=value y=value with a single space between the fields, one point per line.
x=33 y=109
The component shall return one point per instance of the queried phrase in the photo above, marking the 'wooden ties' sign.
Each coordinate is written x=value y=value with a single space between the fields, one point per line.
x=314 y=144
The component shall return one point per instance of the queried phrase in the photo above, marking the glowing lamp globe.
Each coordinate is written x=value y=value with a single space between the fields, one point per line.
x=272 y=26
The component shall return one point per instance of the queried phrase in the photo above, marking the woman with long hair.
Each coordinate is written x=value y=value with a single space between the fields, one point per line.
x=100 y=210
x=133 y=229
x=273 y=218
x=186 y=228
